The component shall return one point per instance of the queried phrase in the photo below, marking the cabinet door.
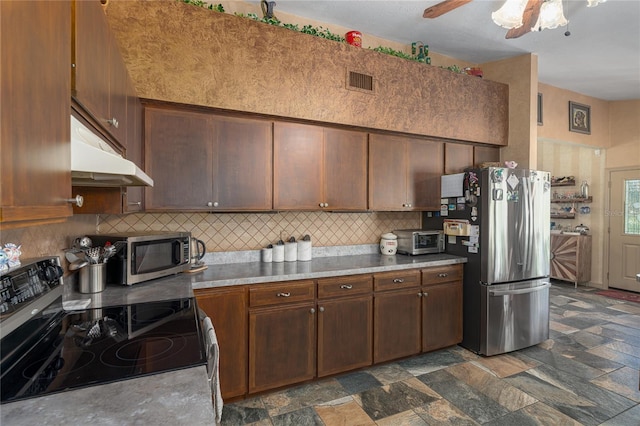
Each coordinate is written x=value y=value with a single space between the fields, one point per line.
x=425 y=167
x=282 y=346
x=441 y=315
x=35 y=47
x=134 y=195
x=243 y=152
x=387 y=173
x=297 y=167
x=345 y=169
x=117 y=123
x=228 y=312
x=92 y=41
x=457 y=157
x=179 y=158
x=396 y=324
x=485 y=154
x=344 y=335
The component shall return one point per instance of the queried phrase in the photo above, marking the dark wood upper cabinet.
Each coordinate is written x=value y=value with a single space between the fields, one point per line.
x=457 y=157
x=203 y=162
x=99 y=75
x=485 y=154
x=242 y=172
x=319 y=168
x=35 y=49
x=404 y=173
x=179 y=155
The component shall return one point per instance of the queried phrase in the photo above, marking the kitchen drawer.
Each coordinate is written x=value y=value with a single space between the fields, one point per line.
x=441 y=274
x=396 y=280
x=344 y=286
x=281 y=293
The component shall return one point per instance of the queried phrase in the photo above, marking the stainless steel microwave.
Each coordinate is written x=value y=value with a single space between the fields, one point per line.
x=417 y=241
x=144 y=256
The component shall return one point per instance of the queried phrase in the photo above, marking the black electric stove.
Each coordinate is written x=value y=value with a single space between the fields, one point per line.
x=55 y=351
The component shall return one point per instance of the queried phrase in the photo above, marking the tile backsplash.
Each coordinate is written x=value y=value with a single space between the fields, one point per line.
x=251 y=231
x=220 y=232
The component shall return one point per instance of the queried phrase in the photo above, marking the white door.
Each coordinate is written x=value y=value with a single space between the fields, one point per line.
x=624 y=230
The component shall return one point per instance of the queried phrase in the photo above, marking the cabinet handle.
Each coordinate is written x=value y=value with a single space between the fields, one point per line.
x=425 y=294
x=398 y=280
x=313 y=311
x=346 y=286
x=409 y=205
x=321 y=308
x=78 y=201
x=419 y=294
x=287 y=294
x=443 y=275
x=139 y=204
x=214 y=204
x=324 y=204
x=113 y=122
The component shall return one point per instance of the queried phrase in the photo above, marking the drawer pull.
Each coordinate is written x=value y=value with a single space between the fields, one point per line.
x=443 y=275
x=287 y=294
x=398 y=280
x=346 y=286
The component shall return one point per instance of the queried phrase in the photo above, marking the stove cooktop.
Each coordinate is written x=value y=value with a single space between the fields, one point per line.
x=71 y=350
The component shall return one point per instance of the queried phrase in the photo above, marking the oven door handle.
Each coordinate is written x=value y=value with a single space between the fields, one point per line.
x=521 y=291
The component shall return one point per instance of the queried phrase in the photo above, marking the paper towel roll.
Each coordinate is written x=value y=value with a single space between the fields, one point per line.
x=266 y=254
x=278 y=253
x=304 y=250
x=290 y=252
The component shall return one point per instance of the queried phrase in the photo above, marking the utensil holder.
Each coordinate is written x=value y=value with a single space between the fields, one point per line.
x=93 y=278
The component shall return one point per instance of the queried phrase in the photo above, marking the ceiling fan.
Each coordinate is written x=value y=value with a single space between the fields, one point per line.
x=529 y=15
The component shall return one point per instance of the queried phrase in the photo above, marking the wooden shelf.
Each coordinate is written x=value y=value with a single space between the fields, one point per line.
x=572 y=200
x=567 y=183
x=563 y=216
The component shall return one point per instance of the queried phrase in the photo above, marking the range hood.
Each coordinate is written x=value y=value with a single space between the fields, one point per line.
x=95 y=163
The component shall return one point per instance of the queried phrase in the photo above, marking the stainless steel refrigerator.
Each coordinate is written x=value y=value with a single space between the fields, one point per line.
x=503 y=217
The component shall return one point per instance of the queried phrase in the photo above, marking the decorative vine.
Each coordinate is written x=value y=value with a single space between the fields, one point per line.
x=315 y=31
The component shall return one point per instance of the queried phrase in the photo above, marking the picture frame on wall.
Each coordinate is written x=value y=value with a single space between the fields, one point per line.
x=539 y=109
x=579 y=118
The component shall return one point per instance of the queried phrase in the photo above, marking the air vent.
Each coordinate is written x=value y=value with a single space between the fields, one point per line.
x=359 y=81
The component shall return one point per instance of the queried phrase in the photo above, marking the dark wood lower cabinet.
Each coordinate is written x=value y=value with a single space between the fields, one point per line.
x=396 y=318
x=282 y=346
x=227 y=309
x=344 y=335
x=441 y=315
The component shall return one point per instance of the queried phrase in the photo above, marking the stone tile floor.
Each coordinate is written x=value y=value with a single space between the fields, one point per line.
x=585 y=374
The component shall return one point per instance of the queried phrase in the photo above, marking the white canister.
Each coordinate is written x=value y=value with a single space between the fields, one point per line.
x=389 y=243
x=304 y=250
x=266 y=255
x=278 y=253
x=290 y=252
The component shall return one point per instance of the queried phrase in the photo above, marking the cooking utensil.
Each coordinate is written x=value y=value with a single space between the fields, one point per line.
x=82 y=243
x=94 y=254
x=77 y=264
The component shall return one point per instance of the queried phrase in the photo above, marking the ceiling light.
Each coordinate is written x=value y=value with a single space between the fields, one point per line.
x=510 y=14
x=551 y=16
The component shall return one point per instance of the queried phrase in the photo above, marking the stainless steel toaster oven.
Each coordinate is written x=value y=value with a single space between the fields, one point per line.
x=419 y=241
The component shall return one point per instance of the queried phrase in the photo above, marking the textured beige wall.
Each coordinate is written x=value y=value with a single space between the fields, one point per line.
x=521 y=73
x=181 y=53
x=555 y=114
x=624 y=147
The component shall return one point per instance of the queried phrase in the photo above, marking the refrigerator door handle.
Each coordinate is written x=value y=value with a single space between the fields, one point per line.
x=522 y=291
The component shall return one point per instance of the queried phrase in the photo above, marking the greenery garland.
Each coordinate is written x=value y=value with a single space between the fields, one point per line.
x=315 y=31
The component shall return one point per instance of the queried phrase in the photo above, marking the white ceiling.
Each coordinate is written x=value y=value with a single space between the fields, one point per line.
x=601 y=57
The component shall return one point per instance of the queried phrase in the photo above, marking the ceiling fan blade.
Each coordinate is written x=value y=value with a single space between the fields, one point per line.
x=529 y=18
x=443 y=7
